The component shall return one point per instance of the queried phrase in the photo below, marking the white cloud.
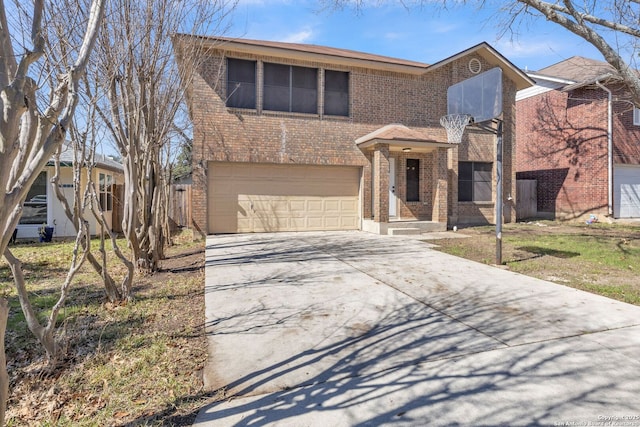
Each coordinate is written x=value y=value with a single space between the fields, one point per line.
x=302 y=36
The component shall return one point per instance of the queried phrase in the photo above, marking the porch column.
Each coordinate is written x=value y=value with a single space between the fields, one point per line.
x=440 y=184
x=381 y=183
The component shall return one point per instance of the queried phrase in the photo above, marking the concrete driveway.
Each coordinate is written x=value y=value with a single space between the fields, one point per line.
x=355 y=329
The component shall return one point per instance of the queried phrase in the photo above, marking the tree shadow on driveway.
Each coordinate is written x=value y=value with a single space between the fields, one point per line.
x=308 y=339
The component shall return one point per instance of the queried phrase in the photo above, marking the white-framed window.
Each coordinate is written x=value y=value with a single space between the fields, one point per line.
x=105 y=191
x=636 y=116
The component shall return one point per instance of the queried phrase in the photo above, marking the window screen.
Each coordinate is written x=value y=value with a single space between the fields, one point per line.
x=289 y=88
x=241 y=83
x=336 y=93
x=474 y=182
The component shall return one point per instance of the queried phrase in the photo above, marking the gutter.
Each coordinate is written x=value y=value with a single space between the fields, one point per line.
x=609 y=145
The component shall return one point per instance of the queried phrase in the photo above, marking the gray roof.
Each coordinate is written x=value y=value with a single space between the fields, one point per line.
x=100 y=160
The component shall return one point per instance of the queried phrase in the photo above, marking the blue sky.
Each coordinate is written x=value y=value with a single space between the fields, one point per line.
x=421 y=34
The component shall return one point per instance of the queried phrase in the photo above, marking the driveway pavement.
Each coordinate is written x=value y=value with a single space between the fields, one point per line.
x=355 y=329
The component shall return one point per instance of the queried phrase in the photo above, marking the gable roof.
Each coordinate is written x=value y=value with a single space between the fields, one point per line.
x=100 y=160
x=398 y=132
x=350 y=57
x=578 y=69
x=493 y=57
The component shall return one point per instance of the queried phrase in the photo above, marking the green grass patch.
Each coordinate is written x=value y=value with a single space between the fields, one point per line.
x=599 y=258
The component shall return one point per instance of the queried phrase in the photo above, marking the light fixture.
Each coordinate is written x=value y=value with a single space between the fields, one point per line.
x=406 y=150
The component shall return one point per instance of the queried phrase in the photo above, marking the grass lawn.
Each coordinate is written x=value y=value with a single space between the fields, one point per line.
x=599 y=258
x=134 y=364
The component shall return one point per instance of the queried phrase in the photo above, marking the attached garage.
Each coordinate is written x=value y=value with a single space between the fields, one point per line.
x=626 y=194
x=251 y=197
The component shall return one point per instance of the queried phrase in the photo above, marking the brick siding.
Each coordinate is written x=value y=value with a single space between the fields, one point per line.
x=377 y=98
x=563 y=145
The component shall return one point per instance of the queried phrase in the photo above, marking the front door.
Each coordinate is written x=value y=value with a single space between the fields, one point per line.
x=393 y=201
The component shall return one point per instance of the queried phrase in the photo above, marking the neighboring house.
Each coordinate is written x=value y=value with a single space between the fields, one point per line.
x=43 y=207
x=292 y=137
x=579 y=137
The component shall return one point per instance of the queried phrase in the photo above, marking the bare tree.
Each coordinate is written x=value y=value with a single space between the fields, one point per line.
x=611 y=26
x=30 y=134
x=594 y=21
x=142 y=83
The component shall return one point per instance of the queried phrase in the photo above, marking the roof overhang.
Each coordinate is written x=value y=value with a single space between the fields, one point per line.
x=493 y=57
x=406 y=145
x=402 y=138
x=602 y=79
x=538 y=77
x=308 y=52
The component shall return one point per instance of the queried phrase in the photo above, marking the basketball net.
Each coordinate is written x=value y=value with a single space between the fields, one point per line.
x=455 y=124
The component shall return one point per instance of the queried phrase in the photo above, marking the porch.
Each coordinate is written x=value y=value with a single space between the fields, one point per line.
x=406 y=182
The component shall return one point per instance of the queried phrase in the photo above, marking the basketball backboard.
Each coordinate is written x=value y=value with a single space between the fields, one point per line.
x=479 y=96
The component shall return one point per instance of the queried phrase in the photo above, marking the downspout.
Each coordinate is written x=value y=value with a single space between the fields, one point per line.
x=609 y=147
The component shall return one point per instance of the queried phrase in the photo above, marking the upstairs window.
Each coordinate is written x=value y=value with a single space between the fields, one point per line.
x=474 y=182
x=636 y=116
x=241 y=83
x=290 y=88
x=336 y=93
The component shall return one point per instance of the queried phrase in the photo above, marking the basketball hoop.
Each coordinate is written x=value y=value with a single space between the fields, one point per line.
x=454 y=124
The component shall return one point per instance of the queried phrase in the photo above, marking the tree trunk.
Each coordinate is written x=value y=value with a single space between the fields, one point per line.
x=40 y=332
x=4 y=377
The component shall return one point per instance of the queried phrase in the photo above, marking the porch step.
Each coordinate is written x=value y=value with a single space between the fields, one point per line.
x=405 y=231
x=423 y=226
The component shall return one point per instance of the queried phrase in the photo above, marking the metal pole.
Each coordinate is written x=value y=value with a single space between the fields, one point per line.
x=499 y=195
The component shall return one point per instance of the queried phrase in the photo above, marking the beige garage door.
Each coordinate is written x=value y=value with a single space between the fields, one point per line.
x=245 y=197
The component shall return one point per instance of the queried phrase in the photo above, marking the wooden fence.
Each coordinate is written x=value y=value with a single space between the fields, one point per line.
x=526 y=198
x=180 y=205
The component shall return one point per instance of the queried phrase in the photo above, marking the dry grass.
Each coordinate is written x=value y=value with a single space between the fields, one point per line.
x=134 y=364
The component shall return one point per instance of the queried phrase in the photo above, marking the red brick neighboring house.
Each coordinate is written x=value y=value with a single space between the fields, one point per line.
x=291 y=137
x=585 y=160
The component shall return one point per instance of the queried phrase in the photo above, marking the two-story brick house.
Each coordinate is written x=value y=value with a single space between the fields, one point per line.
x=291 y=137
x=579 y=137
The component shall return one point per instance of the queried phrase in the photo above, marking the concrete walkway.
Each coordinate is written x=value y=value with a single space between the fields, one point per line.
x=355 y=329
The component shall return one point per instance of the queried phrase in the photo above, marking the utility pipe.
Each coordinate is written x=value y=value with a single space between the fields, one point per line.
x=609 y=147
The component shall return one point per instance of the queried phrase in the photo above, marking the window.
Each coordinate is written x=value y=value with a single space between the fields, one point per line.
x=105 y=183
x=290 y=88
x=474 y=182
x=336 y=93
x=241 y=83
x=35 y=205
x=636 y=116
x=413 y=180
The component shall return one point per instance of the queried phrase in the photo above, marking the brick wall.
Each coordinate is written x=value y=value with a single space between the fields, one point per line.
x=377 y=98
x=626 y=135
x=422 y=209
x=562 y=143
